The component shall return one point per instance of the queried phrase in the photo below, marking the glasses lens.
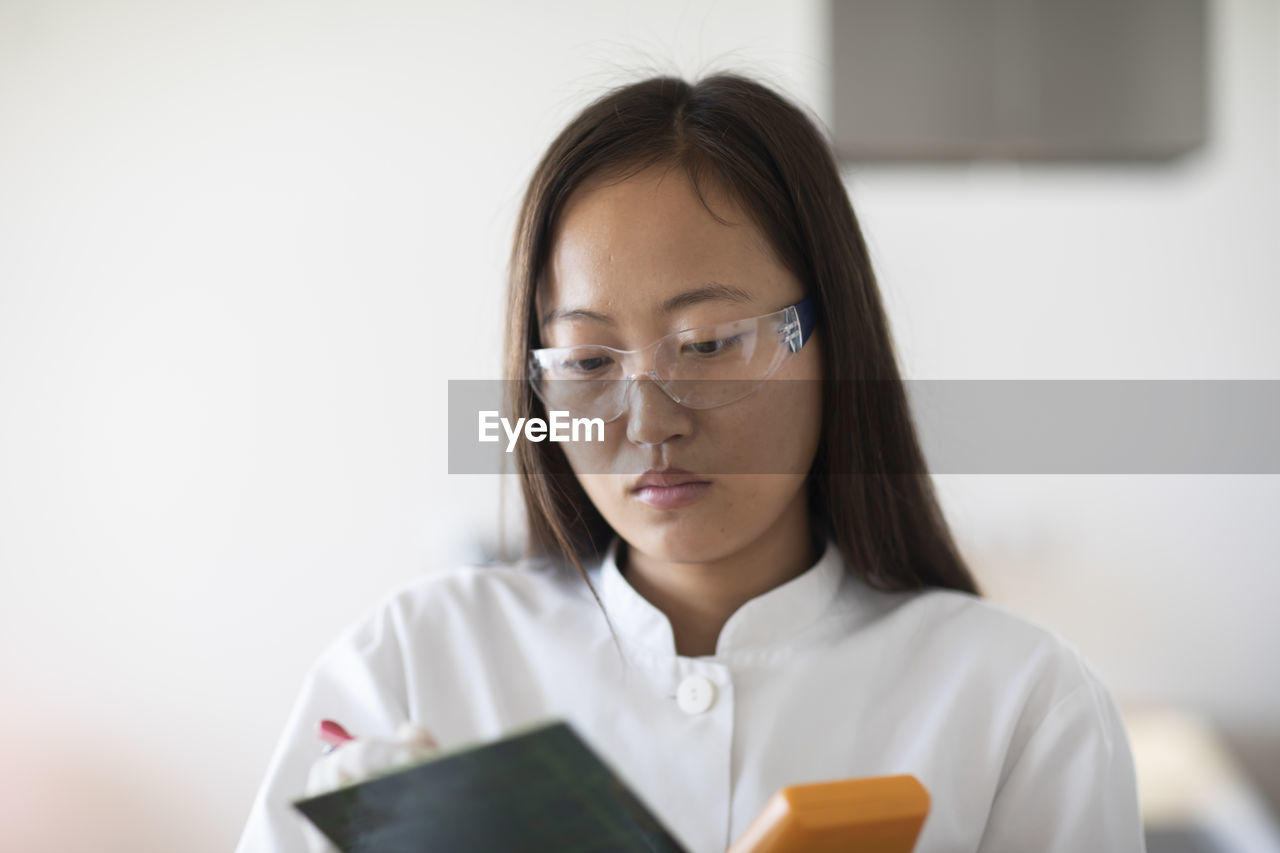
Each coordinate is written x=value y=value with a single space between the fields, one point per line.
x=586 y=382
x=715 y=365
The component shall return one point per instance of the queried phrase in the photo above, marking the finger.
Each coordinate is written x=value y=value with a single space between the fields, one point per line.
x=416 y=735
x=322 y=778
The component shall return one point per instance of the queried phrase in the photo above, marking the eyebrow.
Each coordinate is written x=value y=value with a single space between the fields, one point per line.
x=708 y=291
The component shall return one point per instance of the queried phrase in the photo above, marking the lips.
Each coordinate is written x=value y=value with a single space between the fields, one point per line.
x=666 y=478
x=670 y=488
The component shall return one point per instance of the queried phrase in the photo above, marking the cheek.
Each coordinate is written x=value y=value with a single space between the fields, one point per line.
x=604 y=490
x=774 y=431
x=588 y=458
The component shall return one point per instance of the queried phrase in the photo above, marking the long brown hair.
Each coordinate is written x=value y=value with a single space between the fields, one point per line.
x=868 y=486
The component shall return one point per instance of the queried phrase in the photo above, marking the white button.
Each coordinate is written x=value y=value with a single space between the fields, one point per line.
x=695 y=694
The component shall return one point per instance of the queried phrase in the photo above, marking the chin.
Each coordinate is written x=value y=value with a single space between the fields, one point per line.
x=684 y=540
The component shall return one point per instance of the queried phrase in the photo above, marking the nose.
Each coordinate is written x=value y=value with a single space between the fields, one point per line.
x=652 y=416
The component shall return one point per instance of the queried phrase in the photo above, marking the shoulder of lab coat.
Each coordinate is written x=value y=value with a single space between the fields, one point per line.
x=360 y=681
x=1067 y=780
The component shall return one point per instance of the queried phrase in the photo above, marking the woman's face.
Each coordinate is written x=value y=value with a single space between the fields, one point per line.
x=640 y=259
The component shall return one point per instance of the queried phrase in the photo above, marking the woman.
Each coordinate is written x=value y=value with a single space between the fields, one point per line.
x=747 y=583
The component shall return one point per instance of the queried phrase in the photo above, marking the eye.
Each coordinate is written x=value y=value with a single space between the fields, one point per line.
x=590 y=364
x=713 y=347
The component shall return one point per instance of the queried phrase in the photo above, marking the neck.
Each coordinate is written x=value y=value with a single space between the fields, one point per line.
x=699 y=597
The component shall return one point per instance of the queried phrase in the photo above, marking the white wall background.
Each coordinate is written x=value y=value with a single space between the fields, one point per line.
x=244 y=245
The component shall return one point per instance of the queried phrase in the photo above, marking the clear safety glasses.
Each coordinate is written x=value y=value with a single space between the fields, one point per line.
x=699 y=368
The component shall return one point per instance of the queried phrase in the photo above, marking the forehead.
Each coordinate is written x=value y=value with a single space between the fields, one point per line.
x=625 y=247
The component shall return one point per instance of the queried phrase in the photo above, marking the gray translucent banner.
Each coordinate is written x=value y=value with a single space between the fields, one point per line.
x=964 y=427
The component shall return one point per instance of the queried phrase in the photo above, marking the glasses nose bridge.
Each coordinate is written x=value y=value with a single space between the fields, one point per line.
x=628 y=359
x=633 y=381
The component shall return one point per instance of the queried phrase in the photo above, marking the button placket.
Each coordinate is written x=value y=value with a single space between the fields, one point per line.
x=705 y=693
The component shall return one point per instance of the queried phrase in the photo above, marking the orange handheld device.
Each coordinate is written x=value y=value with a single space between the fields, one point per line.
x=880 y=814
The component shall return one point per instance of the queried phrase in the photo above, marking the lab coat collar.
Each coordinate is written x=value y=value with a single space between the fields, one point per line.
x=774 y=619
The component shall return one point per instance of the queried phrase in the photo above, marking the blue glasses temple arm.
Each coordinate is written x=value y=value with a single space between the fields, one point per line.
x=808 y=316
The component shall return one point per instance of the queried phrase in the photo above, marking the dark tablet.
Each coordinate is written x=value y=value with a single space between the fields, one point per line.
x=539 y=790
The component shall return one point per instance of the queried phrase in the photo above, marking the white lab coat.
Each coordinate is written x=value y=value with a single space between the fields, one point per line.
x=1017 y=740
